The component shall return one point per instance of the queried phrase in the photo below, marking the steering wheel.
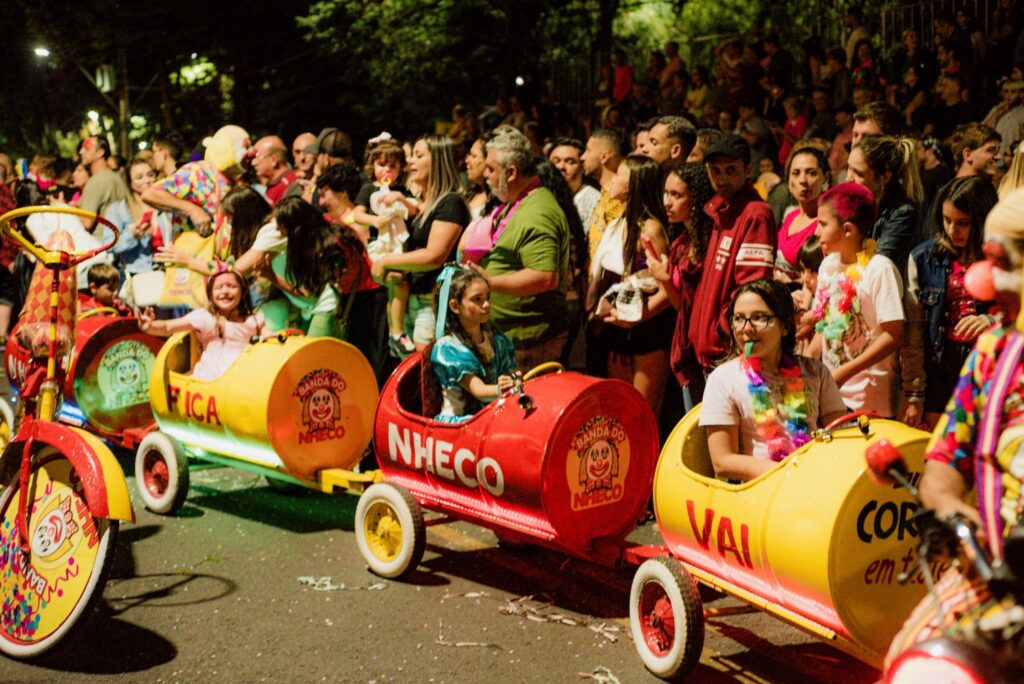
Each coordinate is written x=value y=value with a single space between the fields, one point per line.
x=548 y=367
x=863 y=419
x=99 y=311
x=57 y=259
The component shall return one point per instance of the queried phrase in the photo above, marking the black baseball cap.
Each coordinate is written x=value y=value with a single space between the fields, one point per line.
x=334 y=143
x=731 y=145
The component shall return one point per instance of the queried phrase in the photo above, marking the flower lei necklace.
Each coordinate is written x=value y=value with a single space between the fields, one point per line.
x=782 y=426
x=833 y=316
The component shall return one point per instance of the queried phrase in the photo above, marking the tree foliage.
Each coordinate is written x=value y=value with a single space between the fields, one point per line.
x=302 y=64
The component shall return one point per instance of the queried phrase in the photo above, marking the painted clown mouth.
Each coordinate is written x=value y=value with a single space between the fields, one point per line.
x=321 y=413
x=599 y=470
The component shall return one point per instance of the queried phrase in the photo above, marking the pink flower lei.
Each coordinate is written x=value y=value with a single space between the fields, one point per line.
x=835 y=303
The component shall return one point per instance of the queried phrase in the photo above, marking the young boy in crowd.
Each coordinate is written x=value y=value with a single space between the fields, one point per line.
x=104 y=282
x=808 y=260
x=858 y=305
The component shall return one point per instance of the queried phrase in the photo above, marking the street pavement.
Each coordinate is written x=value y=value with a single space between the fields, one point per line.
x=247 y=584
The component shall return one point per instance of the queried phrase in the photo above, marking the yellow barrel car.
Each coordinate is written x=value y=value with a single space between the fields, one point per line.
x=295 y=409
x=813 y=541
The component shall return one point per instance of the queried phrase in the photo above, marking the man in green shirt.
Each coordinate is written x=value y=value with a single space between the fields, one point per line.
x=528 y=267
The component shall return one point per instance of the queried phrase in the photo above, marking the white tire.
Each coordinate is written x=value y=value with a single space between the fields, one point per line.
x=161 y=473
x=666 y=618
x=389 y=530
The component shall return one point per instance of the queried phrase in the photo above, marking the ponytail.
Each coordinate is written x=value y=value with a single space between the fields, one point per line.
x=911 y=178
x=884 y=153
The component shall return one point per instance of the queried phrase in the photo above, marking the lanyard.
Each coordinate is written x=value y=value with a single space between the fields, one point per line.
x=507 y=210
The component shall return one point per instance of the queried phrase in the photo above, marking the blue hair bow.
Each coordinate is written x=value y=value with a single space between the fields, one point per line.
x=445 y=278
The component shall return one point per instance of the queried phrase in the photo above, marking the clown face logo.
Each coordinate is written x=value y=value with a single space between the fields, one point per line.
x=319 y=393
x=123 y=375
x=322 y=407
x=597 y=463
x=128 y=372
x=53 y=531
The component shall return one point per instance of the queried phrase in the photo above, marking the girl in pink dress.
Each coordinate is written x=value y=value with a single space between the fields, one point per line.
x=224 y=328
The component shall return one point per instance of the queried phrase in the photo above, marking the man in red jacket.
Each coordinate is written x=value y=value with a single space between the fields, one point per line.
x=741 y=247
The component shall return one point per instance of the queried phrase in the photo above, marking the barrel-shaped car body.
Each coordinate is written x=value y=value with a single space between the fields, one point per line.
x=296 y=404
x=814 y=540
x=568 y=465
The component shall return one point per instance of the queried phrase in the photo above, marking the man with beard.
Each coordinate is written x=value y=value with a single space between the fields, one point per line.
x=601 y=160
x=529 y=265
x=565 y=155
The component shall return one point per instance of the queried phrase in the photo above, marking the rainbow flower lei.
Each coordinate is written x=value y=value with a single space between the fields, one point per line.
x=783 y=427
x=832 y=315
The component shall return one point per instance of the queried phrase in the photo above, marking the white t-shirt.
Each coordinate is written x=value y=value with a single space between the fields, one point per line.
x=269 y=238
x=585 y=201
x=880 y=293
x=608 y=255
x=727 y=400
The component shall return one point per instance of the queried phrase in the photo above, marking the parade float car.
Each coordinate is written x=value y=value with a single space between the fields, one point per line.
x=106 y=389
x=567 y=466
x=296 y=410
x=813 y=542
x=570 y=467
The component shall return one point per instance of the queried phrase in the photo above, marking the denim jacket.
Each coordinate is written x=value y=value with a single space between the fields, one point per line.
x=925 y=303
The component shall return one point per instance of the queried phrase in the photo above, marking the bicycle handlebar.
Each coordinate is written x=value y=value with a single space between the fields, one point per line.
x=54 y=258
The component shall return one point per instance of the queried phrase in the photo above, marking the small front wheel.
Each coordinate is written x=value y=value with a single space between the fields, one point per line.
x=161 y=473
x=666 y=618
x=48 y=589
x=390 y=531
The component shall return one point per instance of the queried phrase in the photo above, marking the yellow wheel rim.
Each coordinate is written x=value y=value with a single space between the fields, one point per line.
x=383 y=531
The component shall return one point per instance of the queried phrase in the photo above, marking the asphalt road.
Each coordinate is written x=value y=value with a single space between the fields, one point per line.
x=249 y=585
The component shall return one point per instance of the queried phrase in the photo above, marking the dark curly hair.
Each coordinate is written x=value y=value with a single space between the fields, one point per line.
x=579 y=249
x=698 y=184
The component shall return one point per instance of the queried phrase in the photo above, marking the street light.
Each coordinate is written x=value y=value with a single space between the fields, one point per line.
x=121 y=106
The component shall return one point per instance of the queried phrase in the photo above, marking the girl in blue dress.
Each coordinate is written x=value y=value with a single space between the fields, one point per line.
x=473 y=362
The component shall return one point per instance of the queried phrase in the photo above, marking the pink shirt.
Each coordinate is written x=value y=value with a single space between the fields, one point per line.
x=789 y=245
x=220 y=352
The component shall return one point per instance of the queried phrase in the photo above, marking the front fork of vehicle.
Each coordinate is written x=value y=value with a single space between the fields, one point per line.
x=26 y=470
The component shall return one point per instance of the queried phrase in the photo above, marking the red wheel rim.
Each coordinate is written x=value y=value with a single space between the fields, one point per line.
x=657 y=620
x=155 y=473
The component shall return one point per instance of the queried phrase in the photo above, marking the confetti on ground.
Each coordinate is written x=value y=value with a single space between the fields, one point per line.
x=469 y=595
x=540 y=613
x=440 y=640
x=601 y=675
x=325 y=584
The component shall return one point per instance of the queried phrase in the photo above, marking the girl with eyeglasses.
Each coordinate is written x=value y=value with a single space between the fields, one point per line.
x=764 y=403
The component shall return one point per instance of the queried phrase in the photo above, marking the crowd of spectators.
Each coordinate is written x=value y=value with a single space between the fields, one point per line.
x=685 y=182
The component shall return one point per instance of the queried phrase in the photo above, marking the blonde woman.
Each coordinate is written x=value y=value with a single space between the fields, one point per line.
x=441 y=216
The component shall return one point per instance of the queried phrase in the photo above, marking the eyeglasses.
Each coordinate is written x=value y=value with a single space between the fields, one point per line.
x=759 y=321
